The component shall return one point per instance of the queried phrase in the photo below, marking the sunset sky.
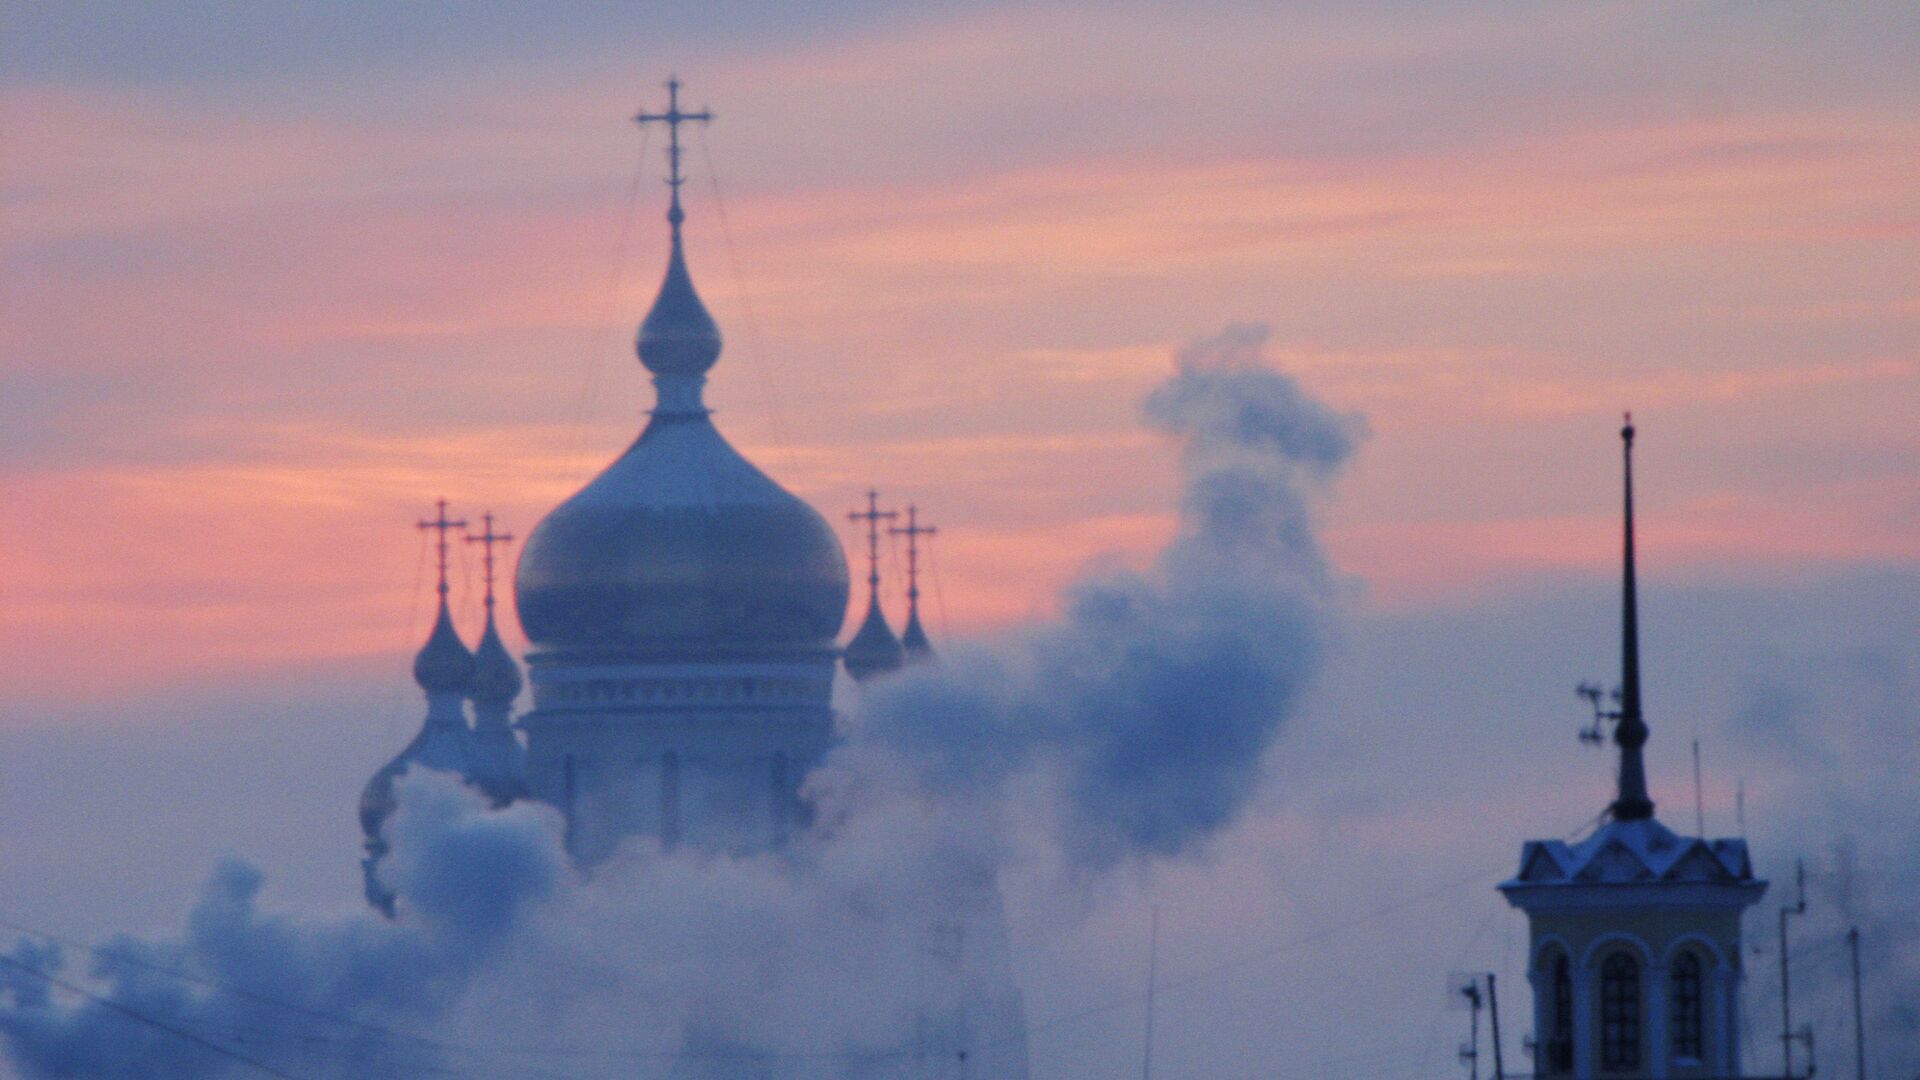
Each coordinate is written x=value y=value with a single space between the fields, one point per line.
x=276 y=276
x=279 y=277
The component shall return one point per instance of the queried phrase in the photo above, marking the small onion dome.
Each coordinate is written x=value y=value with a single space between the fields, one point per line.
x=496 y=678
x=443 y=665
x=913 y=640
x=678 y=337
x=874 y=650
x=441 y=745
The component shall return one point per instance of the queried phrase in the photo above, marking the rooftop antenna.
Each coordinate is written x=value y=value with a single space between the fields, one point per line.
x=1787 y=1034
x=1631 y=802
x=1463 y=991
x=1859 y=1022
x=1740 y=805
x=1699 y=799
x=1153 y=964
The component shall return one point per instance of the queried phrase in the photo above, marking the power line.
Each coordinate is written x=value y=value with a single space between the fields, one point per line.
x=140 y=1017
x=229 y=989
x=756 y=342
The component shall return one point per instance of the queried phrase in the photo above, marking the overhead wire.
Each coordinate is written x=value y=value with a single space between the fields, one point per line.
x=598 y=348
x=137 y=1016
x=756 y=343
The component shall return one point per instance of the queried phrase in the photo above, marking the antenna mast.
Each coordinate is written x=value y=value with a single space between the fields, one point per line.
x=1153 y=963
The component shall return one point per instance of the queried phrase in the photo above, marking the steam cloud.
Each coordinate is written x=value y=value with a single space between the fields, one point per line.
x=1131 y=729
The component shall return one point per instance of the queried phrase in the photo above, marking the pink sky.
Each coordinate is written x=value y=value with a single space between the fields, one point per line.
x=256 y=321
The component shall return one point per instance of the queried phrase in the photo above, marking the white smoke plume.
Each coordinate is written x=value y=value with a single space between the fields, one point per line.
x=1131 y=729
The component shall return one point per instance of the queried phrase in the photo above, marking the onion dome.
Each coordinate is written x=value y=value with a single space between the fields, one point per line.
x=874 y=650
x=496 y=677
x=444 y=665
x=681 y=549
x=497 y=763
x=678 y=336
x=913 y=640
x=444 y=668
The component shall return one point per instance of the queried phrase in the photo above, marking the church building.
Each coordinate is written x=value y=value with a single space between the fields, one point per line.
x=1635 y=931
x=682 y=611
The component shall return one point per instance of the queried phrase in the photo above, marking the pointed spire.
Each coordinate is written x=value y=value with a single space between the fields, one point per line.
x=1630 y=734
x=913 y=640
x=679 y=341
x=874 y=650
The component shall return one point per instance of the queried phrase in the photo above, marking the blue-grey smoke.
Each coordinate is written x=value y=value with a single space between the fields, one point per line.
x=1131 y=728
x=1149 y=706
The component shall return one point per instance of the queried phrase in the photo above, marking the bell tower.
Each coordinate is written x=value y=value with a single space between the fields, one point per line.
x=1635 y=931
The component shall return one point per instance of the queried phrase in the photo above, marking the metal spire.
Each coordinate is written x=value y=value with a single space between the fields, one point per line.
x=873 y=516
x=488 y=538
x=442 y=524
x=1630 y=734
x=673 y=118
x=914 y=638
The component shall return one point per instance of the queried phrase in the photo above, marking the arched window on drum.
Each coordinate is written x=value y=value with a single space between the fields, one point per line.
x=1687 y=1016
x=1557 y=967
x=1620 y=1013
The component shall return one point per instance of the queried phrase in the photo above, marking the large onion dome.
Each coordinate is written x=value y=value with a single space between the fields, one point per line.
x=681 y=548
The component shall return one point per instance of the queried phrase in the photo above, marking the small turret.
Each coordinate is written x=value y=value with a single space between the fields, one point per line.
x=913 y=640
x=445 y=670
x=874 y=650
x=499 y=764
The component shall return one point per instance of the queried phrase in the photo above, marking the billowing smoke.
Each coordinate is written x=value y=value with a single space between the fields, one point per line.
x=1824 y=719
x=1148 y=707
x=1131 y=729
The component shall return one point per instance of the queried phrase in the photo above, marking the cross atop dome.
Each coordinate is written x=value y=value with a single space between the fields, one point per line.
x=913 y=640
x=488 y=539
x=679 y=341
x=673 y=118
x=443 y=525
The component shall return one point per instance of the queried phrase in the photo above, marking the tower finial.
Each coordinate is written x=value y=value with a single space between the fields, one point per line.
x=914 y=638
x=442 y=525
x=678 y=340
x=1630 y=734
x=673 y=118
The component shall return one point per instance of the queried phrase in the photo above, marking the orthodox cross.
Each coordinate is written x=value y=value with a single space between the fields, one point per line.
x=488 y=538
x=873 y=516
x=673 y=118
x=913 y=532
x=442 y=525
